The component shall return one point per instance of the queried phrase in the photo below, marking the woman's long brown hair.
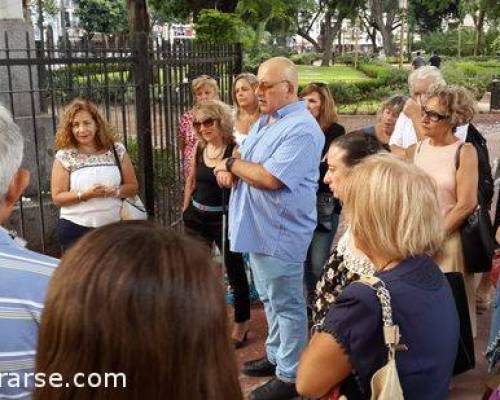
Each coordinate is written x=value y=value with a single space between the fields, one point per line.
x=137 y=299
x=104 y=138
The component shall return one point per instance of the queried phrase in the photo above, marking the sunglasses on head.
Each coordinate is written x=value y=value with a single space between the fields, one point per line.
x=433 y=115
x=207 y=123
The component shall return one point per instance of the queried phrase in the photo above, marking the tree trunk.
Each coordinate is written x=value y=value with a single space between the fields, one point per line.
x=307 y=37
x=327 y=40
x=479 y=31
x=138 y=17
x=385 y=28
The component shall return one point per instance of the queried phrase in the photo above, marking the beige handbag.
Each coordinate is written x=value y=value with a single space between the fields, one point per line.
x=385 y=383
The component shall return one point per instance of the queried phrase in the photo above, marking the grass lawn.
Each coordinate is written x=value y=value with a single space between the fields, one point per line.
x=309 y=73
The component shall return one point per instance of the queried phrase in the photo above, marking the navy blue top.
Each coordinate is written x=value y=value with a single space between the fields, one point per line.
x=424 y=309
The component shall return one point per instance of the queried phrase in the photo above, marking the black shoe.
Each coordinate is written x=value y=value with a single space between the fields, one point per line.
x=275 y=389
x=259 y=367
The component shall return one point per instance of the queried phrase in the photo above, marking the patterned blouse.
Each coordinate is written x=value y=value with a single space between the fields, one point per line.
x=187 y=134
x=343 y=267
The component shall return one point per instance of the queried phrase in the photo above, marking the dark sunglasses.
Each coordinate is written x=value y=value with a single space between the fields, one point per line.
x=433 y=115
x=207 y=123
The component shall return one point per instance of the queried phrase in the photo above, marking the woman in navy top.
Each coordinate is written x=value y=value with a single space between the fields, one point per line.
x=395 y=220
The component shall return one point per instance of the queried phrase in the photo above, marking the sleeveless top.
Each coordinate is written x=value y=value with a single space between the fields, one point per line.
x=440 y=163
x=87 y=170
x=207 y=191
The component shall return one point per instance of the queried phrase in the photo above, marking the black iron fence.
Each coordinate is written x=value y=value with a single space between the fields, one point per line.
x=141 y=85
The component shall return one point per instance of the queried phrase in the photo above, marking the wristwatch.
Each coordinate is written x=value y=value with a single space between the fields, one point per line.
x=229 y=163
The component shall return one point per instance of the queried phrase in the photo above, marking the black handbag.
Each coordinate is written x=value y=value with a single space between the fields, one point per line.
x=465 y=360
x=477 y=241
x=477 y=236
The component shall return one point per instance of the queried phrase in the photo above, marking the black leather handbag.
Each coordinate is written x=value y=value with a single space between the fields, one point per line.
x=465 y=360
x=477 y=235
x=477 y=241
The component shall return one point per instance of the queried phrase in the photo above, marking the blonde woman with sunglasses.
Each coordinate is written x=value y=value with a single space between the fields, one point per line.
x=205 y=201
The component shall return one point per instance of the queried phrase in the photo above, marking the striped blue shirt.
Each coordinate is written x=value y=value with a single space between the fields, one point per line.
x=279 y=223
x=24 y=277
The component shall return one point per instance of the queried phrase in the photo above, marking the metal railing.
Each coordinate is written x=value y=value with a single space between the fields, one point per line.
x=141 y=85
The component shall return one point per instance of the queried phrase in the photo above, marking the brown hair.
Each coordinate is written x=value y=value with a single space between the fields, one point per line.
x=250 y=78
x=105 y=137
x=135 y=298
x=220 y=112
x=458 y=101
x=327 y=113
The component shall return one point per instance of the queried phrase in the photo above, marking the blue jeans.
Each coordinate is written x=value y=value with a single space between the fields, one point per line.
x=280 y=287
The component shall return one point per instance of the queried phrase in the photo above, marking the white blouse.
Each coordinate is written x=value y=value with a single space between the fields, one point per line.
x=85 y=171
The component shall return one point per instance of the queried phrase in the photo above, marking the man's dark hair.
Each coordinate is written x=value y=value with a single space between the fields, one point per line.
x=357 y=146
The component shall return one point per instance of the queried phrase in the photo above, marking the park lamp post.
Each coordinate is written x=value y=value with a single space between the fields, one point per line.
x=403 y=5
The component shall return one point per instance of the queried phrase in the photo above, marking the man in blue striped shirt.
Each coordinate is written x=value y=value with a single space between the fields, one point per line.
x=272 y=216
x=24 y=276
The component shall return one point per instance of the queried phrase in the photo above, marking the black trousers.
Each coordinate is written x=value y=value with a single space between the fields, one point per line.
x=208 y=226
x=69 y=232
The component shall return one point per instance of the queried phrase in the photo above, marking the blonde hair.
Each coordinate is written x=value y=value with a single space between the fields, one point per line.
x=393 y=209
x=458 y=101
x=327 y=112
x=105 y=137
x=204 y=80
x=220 y=112
x=250 y=78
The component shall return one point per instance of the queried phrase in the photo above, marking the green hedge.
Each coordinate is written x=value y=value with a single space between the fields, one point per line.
x=475 y=76
x=386 y=80
x=306 y=58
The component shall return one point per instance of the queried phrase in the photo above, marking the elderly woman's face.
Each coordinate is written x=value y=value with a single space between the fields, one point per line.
x=435 y=118
x=313 y=103
x=205 y=92
x=388 y=121
x=207 y=127
x=84 y=128
x=245 y=94
x=337 y=171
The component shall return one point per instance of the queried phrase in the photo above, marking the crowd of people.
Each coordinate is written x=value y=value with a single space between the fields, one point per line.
x=266 y=182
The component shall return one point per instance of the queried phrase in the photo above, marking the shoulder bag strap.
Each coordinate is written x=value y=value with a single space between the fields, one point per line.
x=117 y=161
x=457 y=156
x=391 y=331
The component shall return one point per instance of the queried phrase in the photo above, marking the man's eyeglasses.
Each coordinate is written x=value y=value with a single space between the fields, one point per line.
x=433 y=115
x=264 y=86
x=207 y=123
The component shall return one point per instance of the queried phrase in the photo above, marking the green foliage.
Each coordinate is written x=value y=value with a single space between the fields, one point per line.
x=446 y=43
x=372 y=83
x=105 y=16
x=474 y=76
x=306 y=58
x=165 y=11
x=216 y=27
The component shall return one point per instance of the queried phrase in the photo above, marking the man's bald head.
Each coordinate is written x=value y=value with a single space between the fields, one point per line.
x=282 y=67
x=278 y=84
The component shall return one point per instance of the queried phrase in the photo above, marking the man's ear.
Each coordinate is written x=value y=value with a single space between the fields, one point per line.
x=17 y=186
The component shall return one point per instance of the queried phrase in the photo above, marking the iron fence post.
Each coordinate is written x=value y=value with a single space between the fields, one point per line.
x=142 y=76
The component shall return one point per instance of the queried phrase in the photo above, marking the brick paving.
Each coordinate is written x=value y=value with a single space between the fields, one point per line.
x=468 y=386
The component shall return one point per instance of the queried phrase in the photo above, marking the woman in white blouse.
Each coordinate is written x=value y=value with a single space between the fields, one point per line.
x=246 y=105
x=86 y=181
